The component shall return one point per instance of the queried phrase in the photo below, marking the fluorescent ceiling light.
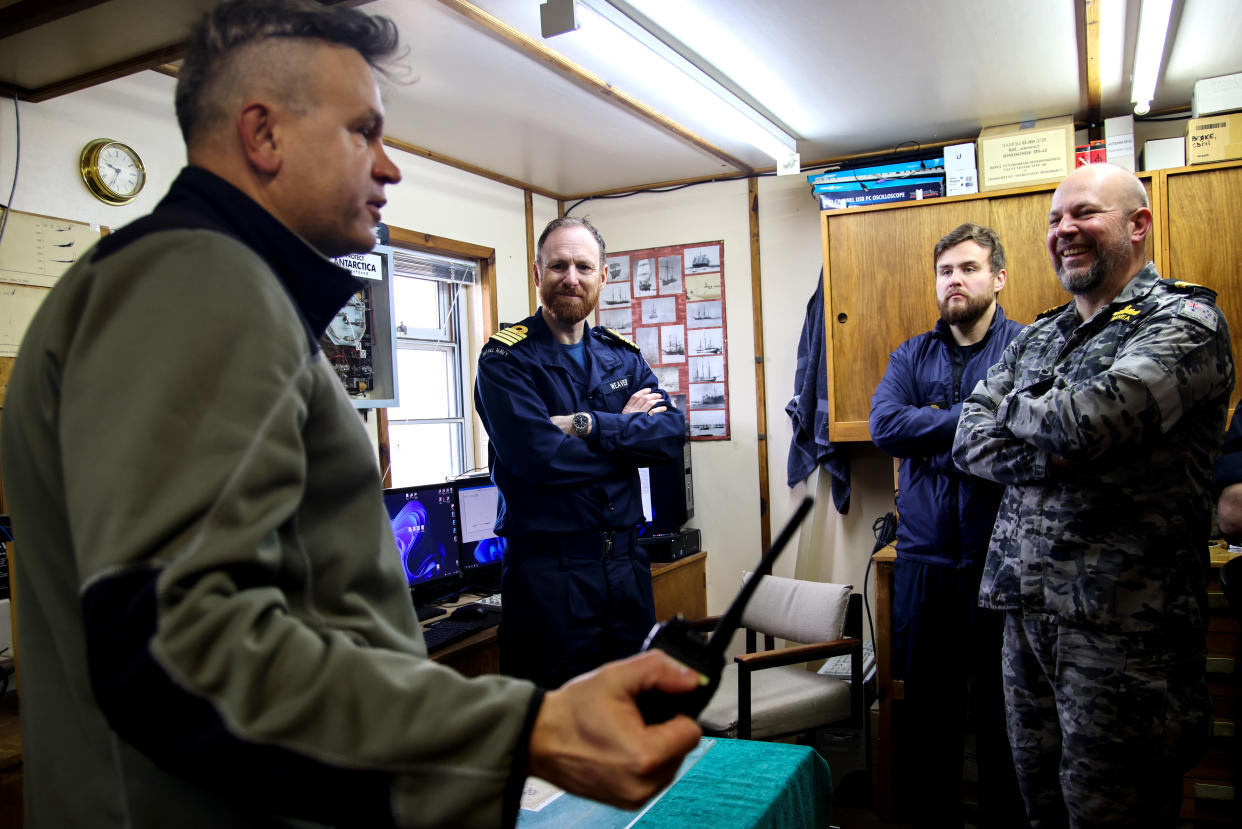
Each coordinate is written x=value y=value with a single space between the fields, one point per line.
x=1112 y=46
x=630 y=47
x=1149 y=52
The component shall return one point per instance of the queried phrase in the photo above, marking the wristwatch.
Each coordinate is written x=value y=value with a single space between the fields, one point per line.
x=581 y=424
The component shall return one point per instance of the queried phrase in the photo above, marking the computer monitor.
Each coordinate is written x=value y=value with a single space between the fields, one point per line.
x=481 y=549
x=671 y=485
x=426 y=529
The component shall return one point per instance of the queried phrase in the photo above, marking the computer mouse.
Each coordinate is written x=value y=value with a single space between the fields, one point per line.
x=468 y=613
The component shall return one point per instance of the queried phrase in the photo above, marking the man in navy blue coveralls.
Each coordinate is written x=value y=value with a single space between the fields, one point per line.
x=945 y=646
x=571 y=413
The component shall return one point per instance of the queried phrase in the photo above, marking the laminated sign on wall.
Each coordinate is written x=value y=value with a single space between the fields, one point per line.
x=670 y=301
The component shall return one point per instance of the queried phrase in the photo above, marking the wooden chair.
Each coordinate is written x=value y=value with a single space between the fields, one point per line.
x=768 y=694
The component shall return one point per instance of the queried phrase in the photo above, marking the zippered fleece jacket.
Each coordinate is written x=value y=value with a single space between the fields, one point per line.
x=214 y=625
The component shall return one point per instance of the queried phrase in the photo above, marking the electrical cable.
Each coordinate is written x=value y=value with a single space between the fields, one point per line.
x=17 y=161
x=885 y=530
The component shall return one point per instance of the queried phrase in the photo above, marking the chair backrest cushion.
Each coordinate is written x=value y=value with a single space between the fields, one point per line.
x=797 y=610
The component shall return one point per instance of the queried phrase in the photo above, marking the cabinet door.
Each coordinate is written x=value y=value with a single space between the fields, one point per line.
x=881 y=290
x=1205 y=240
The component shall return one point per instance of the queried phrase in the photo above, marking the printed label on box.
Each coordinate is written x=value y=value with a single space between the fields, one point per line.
x=1024 y=156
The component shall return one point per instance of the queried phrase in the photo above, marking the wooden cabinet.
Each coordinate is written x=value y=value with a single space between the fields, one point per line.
x=879 y=285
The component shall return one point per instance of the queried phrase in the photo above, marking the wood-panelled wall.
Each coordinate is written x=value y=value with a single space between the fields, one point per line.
x=880 y=285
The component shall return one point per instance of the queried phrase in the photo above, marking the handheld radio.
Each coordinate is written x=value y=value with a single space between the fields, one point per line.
x=701 y=654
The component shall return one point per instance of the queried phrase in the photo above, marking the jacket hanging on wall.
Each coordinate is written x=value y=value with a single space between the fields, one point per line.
x=809 y=410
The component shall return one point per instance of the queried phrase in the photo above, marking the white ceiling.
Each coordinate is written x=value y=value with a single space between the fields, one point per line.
x=845 y=76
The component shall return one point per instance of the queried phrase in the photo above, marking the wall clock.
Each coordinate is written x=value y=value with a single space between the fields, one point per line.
x=113 y=172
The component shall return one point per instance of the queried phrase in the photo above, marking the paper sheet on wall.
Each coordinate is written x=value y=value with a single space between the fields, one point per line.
x=34 y=252
x=18 y=304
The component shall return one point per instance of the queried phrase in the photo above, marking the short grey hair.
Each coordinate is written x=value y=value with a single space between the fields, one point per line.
x=211 y=68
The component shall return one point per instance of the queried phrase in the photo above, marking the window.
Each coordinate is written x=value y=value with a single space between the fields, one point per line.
x=428 y=432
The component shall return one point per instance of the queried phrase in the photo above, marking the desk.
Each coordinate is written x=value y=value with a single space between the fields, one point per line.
x=740 y=784
x=678 y=587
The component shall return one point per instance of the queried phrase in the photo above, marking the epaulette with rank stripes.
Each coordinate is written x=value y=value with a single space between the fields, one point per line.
x=1051 y=312
x=1187 y=287
x=511 y=336
x=609 y=334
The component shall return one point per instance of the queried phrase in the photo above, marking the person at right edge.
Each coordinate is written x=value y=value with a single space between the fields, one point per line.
x=1227 y=482
x=1102 y=420
x=947 y=647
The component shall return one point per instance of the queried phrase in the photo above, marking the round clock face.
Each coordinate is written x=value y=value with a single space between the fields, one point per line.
x=112 y=171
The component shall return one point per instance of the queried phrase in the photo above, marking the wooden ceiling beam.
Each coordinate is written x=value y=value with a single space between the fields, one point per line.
x=587 y=80
x=1090 y=30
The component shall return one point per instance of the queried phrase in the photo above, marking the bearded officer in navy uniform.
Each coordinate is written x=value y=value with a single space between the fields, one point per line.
x=572 y=412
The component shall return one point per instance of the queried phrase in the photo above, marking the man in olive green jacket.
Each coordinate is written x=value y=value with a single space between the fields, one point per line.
x=215 y=630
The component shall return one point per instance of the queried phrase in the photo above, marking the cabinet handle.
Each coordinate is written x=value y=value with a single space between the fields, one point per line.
x=1220 y=664
x=1213 y=791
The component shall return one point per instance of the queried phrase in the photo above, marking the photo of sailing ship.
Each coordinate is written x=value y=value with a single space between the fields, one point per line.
x=707 y=395
x=670 y=275
x=670 y=300
x=672 y=344
x=655 y=311
x=709 y=423
x=707 y=369
x=614 y=294
x=618 y=268
x=707 y=341
x=702 y=259
x=645 y=278
x=620 y=320
x=704 y=314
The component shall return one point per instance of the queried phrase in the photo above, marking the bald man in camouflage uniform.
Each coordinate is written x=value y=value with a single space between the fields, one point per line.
x=1103 y=418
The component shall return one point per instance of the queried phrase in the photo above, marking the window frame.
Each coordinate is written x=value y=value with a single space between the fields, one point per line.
x=474 y=326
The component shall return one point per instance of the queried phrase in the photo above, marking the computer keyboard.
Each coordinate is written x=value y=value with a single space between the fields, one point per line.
x=490 y=601
x=448 y=631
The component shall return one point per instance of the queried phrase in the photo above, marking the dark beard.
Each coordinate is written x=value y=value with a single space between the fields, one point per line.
x=1084 y=282
x=1108 y=258
x=974 y=308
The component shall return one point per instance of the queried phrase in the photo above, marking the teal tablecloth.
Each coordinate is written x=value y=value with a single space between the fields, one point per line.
x=738 y=784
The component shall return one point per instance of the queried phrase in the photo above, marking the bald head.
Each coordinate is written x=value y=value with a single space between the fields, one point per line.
x=1112 y=183
x=1097 y=231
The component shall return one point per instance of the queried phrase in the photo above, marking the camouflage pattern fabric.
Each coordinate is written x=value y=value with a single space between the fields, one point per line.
x=1102 y=726
x=1134 y=400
